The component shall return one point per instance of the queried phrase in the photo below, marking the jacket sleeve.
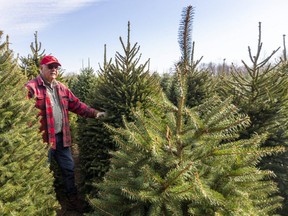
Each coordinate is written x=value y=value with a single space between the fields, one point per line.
x=78 y=107
x=30 y=91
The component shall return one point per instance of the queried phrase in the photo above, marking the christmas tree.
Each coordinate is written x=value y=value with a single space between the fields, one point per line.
x=187 y=161
x=260 y=91
x=122 y=86
x=26 y=184
x=30 y=65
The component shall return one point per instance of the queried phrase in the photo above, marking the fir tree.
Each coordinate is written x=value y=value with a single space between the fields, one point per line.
x=200 y=83
x=188 y=163
x=123 y=86
x=26 y=184
x=166 y=83
x=260 y=90
x=30 y=65
x=200 y=86
x=163 y=170
x=83 y=85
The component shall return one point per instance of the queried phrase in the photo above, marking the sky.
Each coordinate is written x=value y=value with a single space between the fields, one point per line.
x=75 y=31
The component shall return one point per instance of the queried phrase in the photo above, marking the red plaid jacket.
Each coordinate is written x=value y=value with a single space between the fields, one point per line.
x=68 y=102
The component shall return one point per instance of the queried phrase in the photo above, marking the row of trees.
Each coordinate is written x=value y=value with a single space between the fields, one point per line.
x=190 y=142
x=174 y=167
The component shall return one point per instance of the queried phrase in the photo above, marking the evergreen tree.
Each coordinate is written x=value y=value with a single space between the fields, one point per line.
x=166 y=83
x=30 y=65
x=200 y=86
x=260 y=91
x=200 y=83
x=188 y=163
x=26 y=184
x=71 y=80
x=83 y=85
x=123 y=86
x=161 y=169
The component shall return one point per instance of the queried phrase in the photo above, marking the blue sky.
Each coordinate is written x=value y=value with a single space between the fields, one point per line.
x=76 y=30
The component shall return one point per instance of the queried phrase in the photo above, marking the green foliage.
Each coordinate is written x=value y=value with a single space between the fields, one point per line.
x=26 y=184
x=199 y=170
x=30 y=65
x=122 y=87
x=70 y=80
x=187 y=161
x=125 y=85
x=83 y=85
x=260 y=90
x=200 y=86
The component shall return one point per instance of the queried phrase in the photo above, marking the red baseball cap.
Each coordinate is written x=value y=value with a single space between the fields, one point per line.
x=49 y=60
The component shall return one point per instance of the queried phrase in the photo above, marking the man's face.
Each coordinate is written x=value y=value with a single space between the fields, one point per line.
x=50 y=72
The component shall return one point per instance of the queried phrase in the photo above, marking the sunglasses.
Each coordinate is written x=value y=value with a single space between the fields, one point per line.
x=52 y=66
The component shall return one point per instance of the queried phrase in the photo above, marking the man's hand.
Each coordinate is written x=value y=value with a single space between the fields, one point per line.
x=101 y=115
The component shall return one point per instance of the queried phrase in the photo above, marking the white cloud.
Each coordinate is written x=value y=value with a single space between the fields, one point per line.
x=22 y=17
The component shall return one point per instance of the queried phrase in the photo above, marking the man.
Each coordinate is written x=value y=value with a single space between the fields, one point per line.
x=54 y=100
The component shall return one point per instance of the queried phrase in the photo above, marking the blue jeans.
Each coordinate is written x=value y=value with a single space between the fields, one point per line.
x=63 y=157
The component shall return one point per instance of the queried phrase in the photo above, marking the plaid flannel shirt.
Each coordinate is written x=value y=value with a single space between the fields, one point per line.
x=68 y=102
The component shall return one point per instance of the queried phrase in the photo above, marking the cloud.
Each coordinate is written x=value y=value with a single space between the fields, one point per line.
x=22 y=17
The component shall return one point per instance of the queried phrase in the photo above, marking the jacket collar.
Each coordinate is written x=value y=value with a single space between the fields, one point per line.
x=41 y=81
